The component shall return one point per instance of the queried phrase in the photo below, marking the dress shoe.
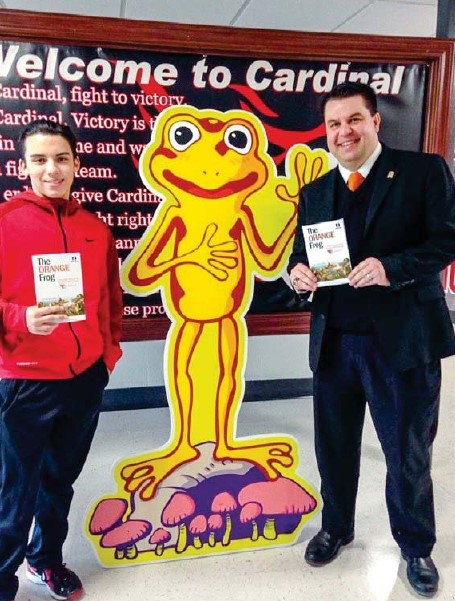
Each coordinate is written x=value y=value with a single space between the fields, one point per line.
x=324 y=547
x=422 y=575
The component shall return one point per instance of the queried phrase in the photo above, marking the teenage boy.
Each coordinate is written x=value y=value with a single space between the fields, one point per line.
x=53 y=371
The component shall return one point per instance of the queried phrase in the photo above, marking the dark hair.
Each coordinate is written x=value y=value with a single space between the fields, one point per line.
x=47 y=128
x=348 y=89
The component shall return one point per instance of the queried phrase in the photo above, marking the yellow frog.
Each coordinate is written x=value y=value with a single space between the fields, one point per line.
x=225 y=217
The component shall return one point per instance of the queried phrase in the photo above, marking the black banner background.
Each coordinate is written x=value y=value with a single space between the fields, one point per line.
x=111 y=98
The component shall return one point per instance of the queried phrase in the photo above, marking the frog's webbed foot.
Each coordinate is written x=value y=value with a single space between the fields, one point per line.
x=146 y=475
x=268 y=456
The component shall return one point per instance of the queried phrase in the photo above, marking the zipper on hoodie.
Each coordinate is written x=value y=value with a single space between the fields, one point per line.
x=65 y=246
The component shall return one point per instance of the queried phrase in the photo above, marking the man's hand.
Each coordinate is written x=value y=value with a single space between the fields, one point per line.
x=303 y=279
x=369 y=272
x=43 y=320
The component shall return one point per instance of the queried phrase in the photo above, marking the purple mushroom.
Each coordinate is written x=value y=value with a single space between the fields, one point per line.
x=108 y=514
x=198 y=525
x=179 y=507
x=215 y=522
x=224 y=502
x=277 y=497
x=159 y=538
x=249 y=513
x=124 y=538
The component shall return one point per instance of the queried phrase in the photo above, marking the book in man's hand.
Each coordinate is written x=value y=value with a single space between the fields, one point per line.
x=58 y=281
x=328 y=252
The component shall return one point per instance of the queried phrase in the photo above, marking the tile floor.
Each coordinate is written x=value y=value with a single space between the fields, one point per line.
x=368 y=570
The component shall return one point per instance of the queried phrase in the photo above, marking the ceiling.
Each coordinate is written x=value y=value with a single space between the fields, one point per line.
x=383 y=17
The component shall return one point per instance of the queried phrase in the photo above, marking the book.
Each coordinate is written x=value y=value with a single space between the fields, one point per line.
x=328 y=252
x=58 y=281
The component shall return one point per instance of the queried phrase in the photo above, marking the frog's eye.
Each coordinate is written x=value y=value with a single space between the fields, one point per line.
x=238 y=137
x=182 y=134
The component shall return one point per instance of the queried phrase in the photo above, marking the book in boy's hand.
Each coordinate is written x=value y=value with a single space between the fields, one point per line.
x=58 y=281
x=328 y=252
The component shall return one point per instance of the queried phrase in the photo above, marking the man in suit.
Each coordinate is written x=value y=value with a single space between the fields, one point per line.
x=378 y=340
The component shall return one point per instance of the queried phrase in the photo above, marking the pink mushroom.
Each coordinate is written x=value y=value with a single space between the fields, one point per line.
x=249 y=513
x=198 y=525
x=224 y=502
x=215 y=522
x=159 y=538
x=277 y=497
x=108 y=514
x=124 y=538
x=179 y=507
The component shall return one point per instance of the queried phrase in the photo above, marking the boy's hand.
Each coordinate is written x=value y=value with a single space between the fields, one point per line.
x=43 y=320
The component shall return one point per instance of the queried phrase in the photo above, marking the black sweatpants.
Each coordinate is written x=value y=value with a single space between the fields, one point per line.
x=46 y=429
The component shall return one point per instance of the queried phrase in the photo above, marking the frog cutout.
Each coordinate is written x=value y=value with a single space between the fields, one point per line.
x=226 y=216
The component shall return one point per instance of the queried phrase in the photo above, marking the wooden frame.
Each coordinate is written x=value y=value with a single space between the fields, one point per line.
x=436 y=54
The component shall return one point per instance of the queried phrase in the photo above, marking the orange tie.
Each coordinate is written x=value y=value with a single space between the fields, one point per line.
x=354 y=180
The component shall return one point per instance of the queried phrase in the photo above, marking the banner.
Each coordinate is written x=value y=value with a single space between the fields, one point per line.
x=111 y=99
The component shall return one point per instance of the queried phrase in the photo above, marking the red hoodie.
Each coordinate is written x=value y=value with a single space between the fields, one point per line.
x=30 y=225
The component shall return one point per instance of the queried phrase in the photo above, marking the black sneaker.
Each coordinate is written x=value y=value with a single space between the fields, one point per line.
x=61 y=582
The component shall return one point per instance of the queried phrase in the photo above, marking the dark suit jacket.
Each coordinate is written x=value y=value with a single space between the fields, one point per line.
x=410 y=228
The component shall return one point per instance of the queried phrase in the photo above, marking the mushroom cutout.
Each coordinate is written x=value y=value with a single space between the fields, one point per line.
x=198 y=525
x=124 y=538
x=107 y=515
x=277 y=497
x=249 y=513
x=224 y=502
x=215 y=522
x=159 y=538
x=179 y=507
